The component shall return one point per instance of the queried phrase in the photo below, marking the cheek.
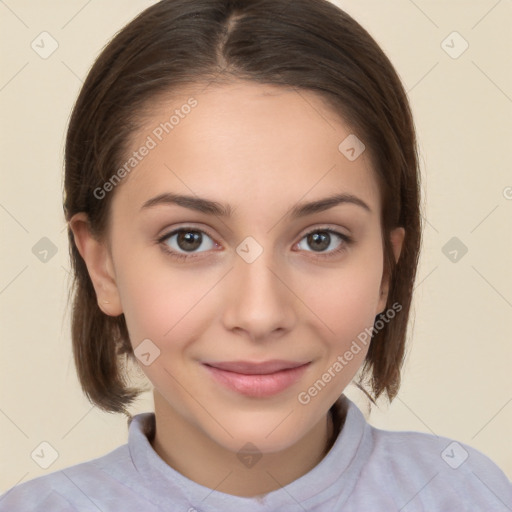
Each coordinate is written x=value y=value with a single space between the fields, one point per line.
x=155 y=304
x=143 y=288
x=344 y=309
x=346 y=300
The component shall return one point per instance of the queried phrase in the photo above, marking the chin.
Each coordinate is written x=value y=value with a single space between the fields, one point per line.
x=269 y=433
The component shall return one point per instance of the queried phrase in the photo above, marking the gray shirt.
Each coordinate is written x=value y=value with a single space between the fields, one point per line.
x=366 y=470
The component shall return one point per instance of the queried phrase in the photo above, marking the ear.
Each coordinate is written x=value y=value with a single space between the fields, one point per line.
x=98 y=259
x=397 y=239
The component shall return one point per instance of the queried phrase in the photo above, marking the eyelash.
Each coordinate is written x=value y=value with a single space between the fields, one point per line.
x=347 y=241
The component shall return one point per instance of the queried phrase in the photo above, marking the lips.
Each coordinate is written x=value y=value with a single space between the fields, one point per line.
x=257 y=380
x=252 y=368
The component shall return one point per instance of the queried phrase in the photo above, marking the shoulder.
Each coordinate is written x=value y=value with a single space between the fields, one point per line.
x=91 y=485
x=426 y=470
x=74 y=488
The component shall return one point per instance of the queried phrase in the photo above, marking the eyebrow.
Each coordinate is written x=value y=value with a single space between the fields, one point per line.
x=224 y=210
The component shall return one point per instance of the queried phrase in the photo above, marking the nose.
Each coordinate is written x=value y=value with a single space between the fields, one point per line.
x=259 y=303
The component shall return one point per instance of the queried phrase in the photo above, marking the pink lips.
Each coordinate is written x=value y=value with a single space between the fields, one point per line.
x=257 y=379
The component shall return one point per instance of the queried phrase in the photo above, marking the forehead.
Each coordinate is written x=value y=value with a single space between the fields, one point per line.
x=248 y=142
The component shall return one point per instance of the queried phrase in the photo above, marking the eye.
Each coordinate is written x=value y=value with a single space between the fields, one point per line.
x=185 y=242
x=320 y=240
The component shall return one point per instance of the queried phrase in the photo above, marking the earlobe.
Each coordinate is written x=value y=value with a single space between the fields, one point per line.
x=397 y=239
x=98 y=260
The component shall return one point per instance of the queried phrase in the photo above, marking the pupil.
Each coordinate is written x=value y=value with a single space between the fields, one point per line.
x=319 y=241
x=189 y=240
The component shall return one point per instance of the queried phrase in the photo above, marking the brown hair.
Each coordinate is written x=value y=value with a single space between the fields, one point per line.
x=304 y=44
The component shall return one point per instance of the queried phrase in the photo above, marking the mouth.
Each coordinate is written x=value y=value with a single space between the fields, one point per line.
x=257 y=379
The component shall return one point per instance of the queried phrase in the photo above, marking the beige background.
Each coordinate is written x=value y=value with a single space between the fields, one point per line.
x=457 y=378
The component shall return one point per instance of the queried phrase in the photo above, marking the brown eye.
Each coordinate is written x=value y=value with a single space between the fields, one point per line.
x=319 y=241
x=189 y=240
x=324 y=242
x=186 y=240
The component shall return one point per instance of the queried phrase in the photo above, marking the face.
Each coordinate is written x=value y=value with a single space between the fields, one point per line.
x=255 y=277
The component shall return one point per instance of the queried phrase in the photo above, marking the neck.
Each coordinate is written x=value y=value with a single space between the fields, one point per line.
x=188 y=450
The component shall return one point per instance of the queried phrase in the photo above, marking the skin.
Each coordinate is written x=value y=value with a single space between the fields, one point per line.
x=262 y=150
